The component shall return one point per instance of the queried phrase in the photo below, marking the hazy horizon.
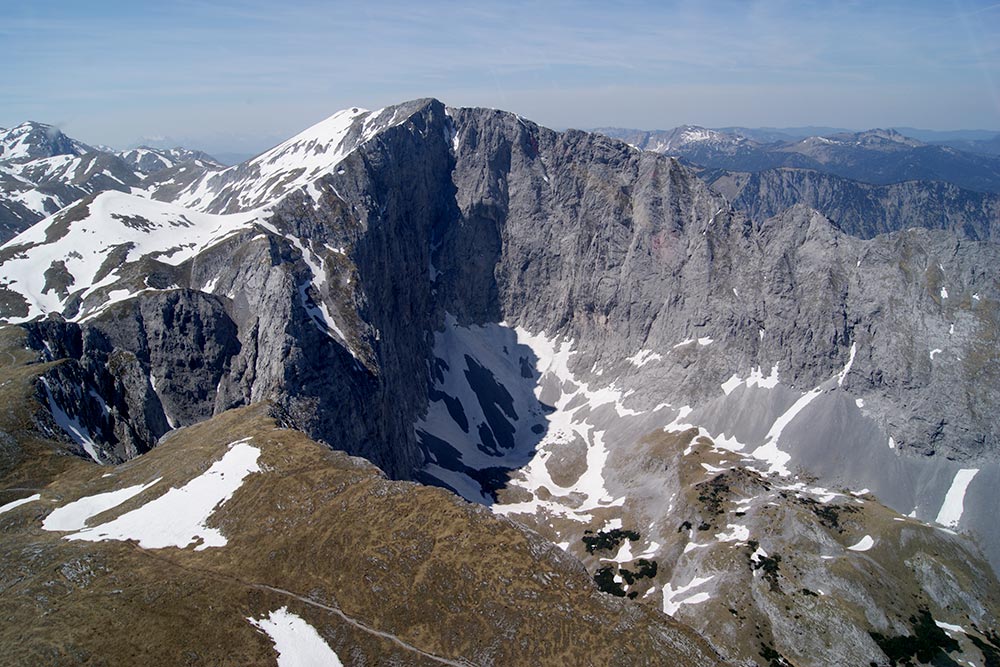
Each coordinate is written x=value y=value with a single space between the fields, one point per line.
x=239 y=77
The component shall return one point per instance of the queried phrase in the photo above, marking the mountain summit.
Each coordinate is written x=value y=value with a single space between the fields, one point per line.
x=31 y=141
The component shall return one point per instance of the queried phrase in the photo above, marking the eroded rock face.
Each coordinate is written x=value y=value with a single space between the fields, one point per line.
x=622 y=251
x=147 y=366
x=468 y=299
x=483 y=215
x=862 y=209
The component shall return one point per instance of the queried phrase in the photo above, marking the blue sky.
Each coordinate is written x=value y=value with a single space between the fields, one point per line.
x=242 y=75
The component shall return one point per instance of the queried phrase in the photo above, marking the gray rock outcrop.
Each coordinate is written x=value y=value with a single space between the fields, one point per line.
x=862 y=209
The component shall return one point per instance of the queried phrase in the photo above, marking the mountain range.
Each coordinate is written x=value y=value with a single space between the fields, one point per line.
x=983 y=141
x=42 y=171
x=877 y=156
x=678 y=415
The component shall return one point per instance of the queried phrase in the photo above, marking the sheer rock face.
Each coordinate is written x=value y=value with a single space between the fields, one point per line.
x=483 y=215
x=586 y=294
x=862 y=209
x=621 y=250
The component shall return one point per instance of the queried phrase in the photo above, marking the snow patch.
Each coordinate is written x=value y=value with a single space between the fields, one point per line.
x=523 y=364
x=652 y=550
x=755 y=379
x=643 y=357
x=75 y=515
x=17 y=503
x=769 y=452
x=178 y=517
x=72 y=426
x=954 y=501
x=689 y=341
x=949 y=627
x=297 y=643
x=737 y=533
x=672 y=599
x=864 y=544
x=847 y=367
x=728 y=443
x=624 y=554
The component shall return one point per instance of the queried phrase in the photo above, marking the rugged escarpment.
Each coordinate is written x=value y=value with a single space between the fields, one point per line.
x=862 y=209
x=488 y=217
x=622 y=250
x=471 y=300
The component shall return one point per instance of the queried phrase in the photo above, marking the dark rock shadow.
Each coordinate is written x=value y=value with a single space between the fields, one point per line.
x=484 y=419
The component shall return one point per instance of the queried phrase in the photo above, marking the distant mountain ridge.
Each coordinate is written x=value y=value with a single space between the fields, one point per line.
x=880 y=156
x=42 y=170
x=862 y=209
x=148 y=160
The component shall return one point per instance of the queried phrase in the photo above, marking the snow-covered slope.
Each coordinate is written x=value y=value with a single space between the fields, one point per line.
x=681 y=140
x=31 y=141
x=291 y=165
x=42 y=171
x=82 y=249
x=688 y=136
x=148 y=160
x=34 y=189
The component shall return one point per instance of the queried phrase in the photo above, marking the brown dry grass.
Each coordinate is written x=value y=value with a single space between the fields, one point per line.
x=328 y=536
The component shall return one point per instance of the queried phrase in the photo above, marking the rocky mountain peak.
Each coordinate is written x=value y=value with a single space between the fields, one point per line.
x=32 y=140
x=691 y=136
x=875 y=139
x=292 y=165
x=147 y=160
x=890 y=135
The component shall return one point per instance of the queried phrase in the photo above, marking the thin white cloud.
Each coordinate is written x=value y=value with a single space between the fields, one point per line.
x=264 y=67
